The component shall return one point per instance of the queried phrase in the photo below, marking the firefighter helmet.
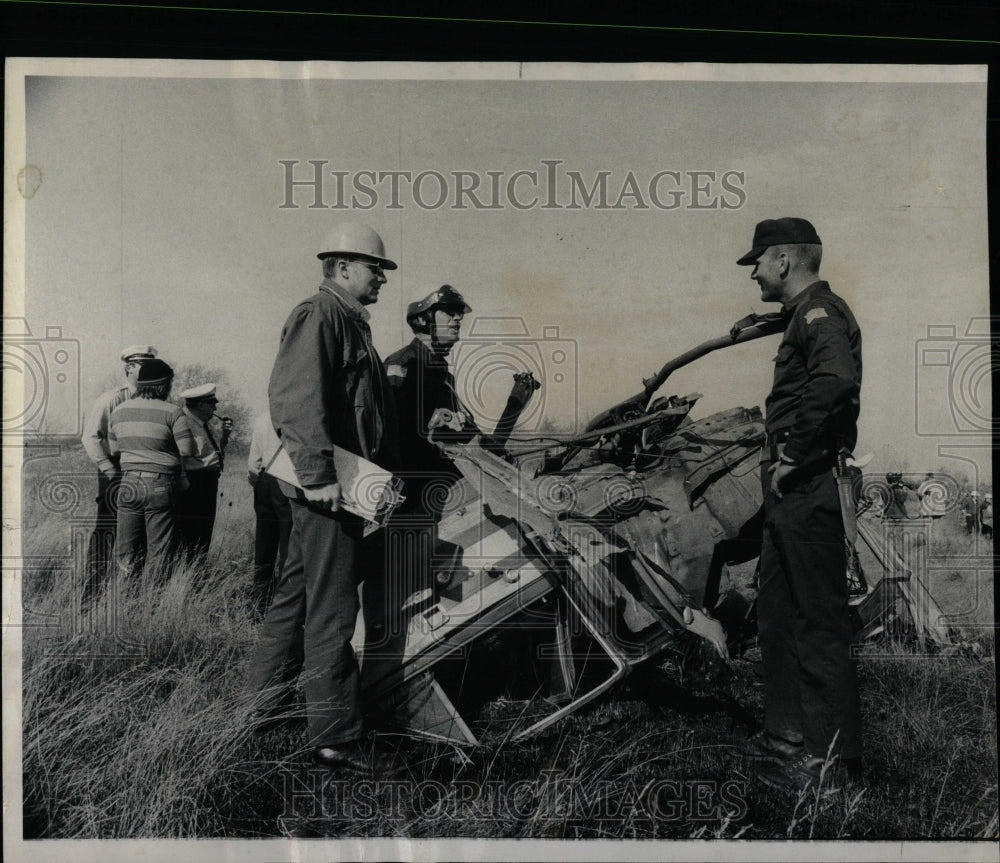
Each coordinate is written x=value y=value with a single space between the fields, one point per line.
x=445 y=297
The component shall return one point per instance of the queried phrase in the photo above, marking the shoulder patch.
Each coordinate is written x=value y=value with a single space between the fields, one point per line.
x=815 y=314
x=395 y=371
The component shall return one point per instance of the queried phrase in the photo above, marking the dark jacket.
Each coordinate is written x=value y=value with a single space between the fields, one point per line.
x=328 y=387
x=421 y=383
x=815 y=400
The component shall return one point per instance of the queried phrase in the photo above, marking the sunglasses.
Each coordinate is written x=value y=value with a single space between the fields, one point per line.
x=374 y=269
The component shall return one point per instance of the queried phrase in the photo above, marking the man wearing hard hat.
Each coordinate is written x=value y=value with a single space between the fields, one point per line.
x=101 y=548
x=328 y=388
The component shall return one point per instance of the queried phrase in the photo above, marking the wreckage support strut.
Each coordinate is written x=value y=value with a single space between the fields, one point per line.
x=620 y=670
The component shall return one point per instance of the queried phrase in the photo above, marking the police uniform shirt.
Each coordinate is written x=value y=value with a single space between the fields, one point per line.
x=815 y=400
x=208 y=455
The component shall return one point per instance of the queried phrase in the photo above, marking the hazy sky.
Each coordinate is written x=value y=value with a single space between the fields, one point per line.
x=158 y=219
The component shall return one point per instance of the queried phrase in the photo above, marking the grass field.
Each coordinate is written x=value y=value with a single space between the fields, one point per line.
x=141 y=728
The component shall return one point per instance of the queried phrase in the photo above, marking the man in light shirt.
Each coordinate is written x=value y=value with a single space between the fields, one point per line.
x=273 y=512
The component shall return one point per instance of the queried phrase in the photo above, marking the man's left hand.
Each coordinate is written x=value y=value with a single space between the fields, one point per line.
x=778 y=473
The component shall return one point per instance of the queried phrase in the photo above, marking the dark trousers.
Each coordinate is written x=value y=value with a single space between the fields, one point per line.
x=810 y=687
x=310 y=623
x=398 y=563
x=274 y=526
x=196 y=511
x=101 y=547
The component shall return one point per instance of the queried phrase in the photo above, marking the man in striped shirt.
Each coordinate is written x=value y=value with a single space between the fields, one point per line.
x=95 y=442
x=151 y=436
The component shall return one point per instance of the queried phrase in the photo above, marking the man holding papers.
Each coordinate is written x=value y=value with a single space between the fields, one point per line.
x=328 y=388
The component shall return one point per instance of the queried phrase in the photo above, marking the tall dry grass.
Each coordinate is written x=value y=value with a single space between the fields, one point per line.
x=143 y=730
x=133 y=731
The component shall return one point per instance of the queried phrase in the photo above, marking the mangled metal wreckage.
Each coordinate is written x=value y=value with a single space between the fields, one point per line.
x=600 y=552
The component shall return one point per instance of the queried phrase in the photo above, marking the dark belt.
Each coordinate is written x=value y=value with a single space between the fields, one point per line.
x=147 y=473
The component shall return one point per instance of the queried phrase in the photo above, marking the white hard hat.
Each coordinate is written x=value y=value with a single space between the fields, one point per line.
x=355 y=238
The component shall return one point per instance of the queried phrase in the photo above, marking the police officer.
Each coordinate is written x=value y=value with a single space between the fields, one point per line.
x=101 y=548
x=196 y=506
x=327 y=388
x=810 y=688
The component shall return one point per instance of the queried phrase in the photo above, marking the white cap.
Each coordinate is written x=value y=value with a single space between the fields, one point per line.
x=138 y=352
x=202 y=391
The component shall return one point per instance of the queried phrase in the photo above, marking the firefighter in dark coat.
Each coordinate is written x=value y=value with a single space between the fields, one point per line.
x=428 y=410
x=426 y=400
x=810 y=688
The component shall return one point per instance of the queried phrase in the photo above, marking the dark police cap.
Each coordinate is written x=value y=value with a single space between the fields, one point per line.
x=786 y=231
x=445 y=297
x=154 y=372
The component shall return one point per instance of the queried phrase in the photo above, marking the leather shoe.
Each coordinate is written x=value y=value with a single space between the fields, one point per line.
x=796 y=774
x=766 y=747
x=348 y=755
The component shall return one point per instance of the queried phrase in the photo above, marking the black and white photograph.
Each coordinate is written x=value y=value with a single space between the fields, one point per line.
x=411 y=460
